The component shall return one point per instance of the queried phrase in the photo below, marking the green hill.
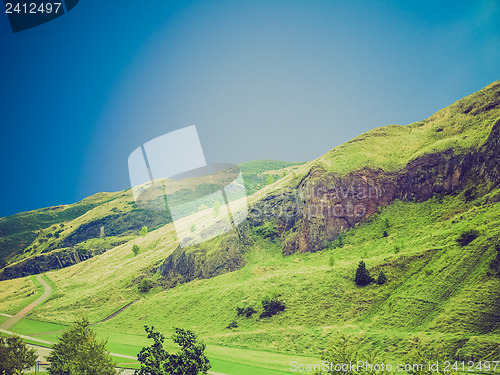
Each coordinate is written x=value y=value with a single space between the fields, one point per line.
x=430 y=199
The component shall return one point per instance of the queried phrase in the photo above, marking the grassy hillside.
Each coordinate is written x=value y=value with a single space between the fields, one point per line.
x=442 y=291
x=27 y=234
x=437 y=290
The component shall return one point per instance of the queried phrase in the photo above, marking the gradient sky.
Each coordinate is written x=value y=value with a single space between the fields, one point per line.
x=269 y=79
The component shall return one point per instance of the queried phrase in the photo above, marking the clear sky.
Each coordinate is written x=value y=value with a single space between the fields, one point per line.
x=269 y=79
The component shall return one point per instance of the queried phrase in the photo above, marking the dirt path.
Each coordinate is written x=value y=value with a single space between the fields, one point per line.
x=14 y=319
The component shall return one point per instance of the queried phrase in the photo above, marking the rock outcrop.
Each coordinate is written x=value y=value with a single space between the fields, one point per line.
x=324 y=204
x=45 y=262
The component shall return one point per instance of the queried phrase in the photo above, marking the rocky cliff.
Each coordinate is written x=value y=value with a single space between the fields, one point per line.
x=324 y=204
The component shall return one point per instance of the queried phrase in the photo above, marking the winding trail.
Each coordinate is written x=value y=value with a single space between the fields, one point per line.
x=47 y=290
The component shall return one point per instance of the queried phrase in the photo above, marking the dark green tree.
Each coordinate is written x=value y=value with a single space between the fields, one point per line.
x=362 y=277
x=135 y=249
x=79 y=352
x=15 y=356
x=190 y=360
x=381 y=279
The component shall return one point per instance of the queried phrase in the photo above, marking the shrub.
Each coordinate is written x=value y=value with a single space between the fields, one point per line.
x=144 y=285
x=193 y=228
x=381 y=279
x=385 y=234
x=362 y=277
x=339 y=241
x=271 y=306
x=331 y=261
x=144 y=231
x=495 y=263
x=248 y=312
x=233 y=324
x=268 y=230
x=467 y=237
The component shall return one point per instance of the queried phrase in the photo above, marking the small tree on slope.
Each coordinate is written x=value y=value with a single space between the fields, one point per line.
x=362 y=277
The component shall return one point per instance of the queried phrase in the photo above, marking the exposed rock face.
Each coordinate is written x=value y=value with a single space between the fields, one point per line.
x=324 y=204
x=46 y=262
x=196 y=262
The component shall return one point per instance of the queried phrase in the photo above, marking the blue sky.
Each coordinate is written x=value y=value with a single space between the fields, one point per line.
x=267 y=79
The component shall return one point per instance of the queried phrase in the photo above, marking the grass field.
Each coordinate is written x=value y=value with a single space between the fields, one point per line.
x=438 y=292
x=16 y=294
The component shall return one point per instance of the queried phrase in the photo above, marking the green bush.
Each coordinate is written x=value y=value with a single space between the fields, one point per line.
x=338 y=242
x=268 y=230
x=495 y=263
x=271 y=306
x=233 y=324
x=144 y=285
x=467 y=237
x=248 y=312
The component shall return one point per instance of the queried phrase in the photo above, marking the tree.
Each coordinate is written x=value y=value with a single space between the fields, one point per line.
x=331 y=261
x=190 y=360
x=362 y=275
x=135 y=249
x=79 y=352
x=381 y=279
x=144 y=231
x=15 y=356
x=269 y=179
